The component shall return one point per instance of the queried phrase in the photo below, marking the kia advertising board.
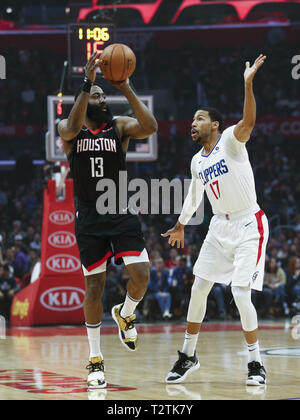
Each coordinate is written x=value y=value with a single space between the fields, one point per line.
x=59 y=291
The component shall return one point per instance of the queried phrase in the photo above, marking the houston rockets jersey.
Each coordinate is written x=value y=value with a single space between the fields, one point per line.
x=226 y=175
x=96 y=155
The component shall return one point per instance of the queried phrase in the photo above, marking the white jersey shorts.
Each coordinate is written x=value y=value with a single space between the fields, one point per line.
x=234 y=250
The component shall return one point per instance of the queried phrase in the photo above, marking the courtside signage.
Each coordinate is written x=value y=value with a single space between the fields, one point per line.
x=61 y=217
x=61 y=299
x=63 y=263
x=62 y=239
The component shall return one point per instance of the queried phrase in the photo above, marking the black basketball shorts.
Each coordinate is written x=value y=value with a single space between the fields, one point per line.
x=100 y=237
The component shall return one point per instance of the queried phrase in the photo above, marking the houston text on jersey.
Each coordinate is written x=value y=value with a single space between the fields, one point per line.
x=95 y=145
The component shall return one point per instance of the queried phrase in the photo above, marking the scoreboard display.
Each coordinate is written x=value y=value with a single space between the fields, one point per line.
x=83 y=40
x=59 y=107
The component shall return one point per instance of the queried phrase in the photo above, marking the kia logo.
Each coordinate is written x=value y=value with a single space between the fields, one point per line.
x=63 y=263
x=62 y=239
x=63 y=299
x=61 y=217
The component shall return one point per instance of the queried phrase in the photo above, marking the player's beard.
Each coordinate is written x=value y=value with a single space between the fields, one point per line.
x=97 y=114
x=202 y=139
x=198 y=140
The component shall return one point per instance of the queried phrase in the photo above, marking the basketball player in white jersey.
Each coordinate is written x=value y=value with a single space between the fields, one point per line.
x=234 y=248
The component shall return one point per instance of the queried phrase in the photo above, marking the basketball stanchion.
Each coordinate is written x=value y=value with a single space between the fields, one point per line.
x=57 y=295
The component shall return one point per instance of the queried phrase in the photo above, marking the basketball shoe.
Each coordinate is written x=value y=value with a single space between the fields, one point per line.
x=256 y=374
x=127 y=331
x=182 y=368
x=95 y=378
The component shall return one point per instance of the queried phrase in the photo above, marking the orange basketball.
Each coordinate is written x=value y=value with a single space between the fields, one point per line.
x=117 y=62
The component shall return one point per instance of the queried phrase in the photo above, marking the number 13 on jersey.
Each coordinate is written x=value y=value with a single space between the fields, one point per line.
x=97 y=169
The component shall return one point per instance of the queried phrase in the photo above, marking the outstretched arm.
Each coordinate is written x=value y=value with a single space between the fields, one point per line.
x=70 y=127
x=244 y=127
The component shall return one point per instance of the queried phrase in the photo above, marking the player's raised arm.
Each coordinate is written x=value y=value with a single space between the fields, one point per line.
x=145 y=123
x=70 y=127
x=244 y=127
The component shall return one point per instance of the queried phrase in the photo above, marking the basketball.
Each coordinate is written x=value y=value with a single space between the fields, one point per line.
x=117 y=62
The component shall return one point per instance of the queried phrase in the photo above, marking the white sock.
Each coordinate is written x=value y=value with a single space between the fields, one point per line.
x=189 y=345
x=253 y=352
x=129 y=306
x=93 y=332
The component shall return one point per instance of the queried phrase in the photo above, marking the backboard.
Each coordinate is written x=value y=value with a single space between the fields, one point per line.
x=60 y=107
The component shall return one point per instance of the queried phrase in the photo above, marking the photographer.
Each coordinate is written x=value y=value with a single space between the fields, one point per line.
x=8 y=288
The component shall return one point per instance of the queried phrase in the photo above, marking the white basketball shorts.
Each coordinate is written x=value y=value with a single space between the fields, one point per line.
x=234 y=250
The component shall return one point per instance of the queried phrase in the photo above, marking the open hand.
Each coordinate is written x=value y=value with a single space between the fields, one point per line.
x=91 y=66
x=120 y=85
x=176 y=235
x=250 y=71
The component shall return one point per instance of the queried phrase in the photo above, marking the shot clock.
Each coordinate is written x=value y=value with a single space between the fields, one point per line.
x=83 y=40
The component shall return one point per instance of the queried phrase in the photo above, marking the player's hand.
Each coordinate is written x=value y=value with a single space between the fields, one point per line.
x=124 y=84
x=91 y=66
x=251 y=70
x=176 y=235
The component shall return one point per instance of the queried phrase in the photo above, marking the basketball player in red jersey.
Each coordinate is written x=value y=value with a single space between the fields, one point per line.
x=96 y=144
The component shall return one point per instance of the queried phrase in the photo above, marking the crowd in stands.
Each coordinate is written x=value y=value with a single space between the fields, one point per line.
x=209 y=76
x=214 y=77
x=207 y=79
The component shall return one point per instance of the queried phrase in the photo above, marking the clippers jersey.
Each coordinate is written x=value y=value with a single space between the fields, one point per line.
x=226 y=175
x=96 y=155
x=235 y=246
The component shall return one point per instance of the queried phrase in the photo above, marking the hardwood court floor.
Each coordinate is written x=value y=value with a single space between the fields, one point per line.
x=49 y=363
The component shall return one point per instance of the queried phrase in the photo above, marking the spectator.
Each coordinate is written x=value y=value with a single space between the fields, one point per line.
x=192 y=255
x=159 y=287
x=1 y=252
x=217 y=295
x=3 y=197
x=20 y=261
x=186 y=293
x=34 y=269
x=170 y=263
x=177 y=284
x=275 y=280
x=114 y=289
x=36 y=243
x=8 y=288
x=28 y=94
x=293 y=281
x=262 y=302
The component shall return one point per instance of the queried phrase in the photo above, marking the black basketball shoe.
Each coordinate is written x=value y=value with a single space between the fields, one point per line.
x=182 y=368
x=256 y=374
